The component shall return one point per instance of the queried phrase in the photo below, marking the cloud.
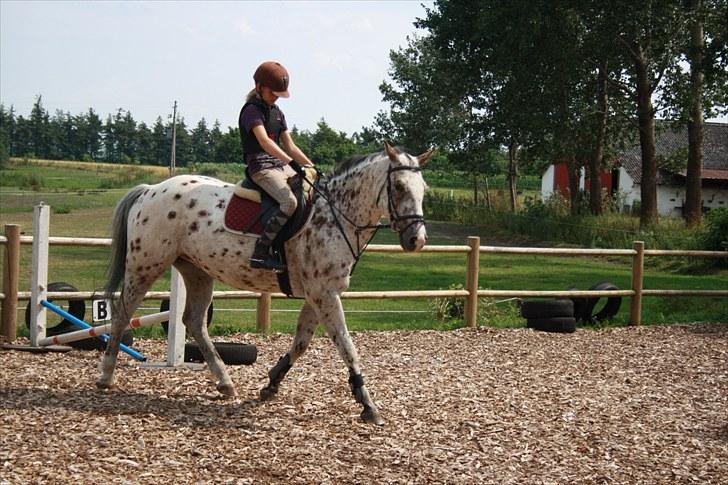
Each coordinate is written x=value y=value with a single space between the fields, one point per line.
x=245 y=28
x=364 y=25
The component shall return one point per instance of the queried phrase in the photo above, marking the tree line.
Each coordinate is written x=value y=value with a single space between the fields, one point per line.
x=121 y=139
x=558 y=81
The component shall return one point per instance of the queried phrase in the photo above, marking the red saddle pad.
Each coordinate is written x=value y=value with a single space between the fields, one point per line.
x=239 y=215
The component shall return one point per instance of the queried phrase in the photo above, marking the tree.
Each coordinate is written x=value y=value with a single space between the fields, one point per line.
x=161 y=144
x=228 y=149
x=90 y=130
x=145 y=144
x=327 y=146
x=183 y=150
x=520 y=76
x=699 y=90
x=7 y=129
x=647 y=34
x=215 y=135
x=39 y=125
x=200 y=146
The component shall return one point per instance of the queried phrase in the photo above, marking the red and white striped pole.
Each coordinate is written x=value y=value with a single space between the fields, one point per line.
x=145 y=321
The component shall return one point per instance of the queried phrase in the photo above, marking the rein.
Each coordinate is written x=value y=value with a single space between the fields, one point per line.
x=394 y=217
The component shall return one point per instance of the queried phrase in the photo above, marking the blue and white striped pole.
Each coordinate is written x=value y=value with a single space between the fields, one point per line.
x=80 y=323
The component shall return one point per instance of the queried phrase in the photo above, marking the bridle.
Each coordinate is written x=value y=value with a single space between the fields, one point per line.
x=394 y=216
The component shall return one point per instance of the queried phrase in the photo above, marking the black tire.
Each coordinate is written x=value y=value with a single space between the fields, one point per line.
x=579 y=306
x=557 y=324
x=95 y=343
x=231 y=353
x=547 y=308
x=77 y=308
x=164 y=306
x=610 y=309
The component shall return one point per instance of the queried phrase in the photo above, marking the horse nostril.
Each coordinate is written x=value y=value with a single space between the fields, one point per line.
x=413 y=241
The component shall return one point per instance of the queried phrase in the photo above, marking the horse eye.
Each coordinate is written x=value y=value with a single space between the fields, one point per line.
x=399 y=187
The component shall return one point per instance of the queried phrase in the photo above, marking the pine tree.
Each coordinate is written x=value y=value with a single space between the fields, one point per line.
x=200 y=143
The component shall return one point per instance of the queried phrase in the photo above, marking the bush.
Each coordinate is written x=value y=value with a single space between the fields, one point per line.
x=449 y=308
x=715 y=237
x=490 y=312
x=4 y=155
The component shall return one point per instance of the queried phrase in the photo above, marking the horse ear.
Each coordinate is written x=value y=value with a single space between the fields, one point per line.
x=392 y=152
x=422 y=158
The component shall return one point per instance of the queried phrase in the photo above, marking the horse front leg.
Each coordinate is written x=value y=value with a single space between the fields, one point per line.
x=305 y=328
x=332 y=312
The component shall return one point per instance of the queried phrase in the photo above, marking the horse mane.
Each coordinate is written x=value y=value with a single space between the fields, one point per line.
x=350 y=163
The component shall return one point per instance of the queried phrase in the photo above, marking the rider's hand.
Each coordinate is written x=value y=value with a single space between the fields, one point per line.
x=297 y=168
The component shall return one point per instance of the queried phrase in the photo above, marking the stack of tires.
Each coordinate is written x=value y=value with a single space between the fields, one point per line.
x=549 y=315
x=562 y=315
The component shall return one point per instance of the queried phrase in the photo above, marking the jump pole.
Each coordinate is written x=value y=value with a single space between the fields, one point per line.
x=89 y=330
x=144 y=321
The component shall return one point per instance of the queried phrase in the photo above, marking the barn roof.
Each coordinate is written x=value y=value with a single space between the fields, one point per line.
x=671 y=142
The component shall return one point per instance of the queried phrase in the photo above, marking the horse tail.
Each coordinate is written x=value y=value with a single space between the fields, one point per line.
x=117 y=262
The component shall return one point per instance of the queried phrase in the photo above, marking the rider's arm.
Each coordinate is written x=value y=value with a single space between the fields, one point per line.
x=269 y=145
x=292 y=149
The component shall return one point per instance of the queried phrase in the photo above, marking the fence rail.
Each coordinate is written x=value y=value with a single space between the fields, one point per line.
x=13 y=240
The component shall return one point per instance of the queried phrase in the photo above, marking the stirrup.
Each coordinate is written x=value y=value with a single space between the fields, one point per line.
x=268 y=263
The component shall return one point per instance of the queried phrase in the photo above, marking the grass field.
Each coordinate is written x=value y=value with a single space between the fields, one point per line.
x=87 y=213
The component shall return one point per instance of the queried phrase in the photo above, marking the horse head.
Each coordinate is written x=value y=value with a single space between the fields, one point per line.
x=406 y=191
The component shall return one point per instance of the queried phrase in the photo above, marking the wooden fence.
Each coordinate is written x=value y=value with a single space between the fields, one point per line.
x=13 y=240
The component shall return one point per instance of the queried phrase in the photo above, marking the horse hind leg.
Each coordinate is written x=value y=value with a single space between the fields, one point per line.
x=199 y=287
x=134 y=289
x=305 y=328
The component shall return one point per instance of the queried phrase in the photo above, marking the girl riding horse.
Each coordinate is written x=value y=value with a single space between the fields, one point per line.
x=262 y=127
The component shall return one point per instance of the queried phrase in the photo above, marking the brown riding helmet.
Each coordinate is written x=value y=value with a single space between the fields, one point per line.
x=274 y=76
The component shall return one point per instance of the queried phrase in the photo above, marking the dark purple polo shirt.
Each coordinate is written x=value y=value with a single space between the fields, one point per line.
x=253 y=116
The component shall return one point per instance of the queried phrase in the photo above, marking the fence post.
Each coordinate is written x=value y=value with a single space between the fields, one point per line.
x=262 y=314
x=638 y=268
x=11 y=271
x=471 y=282
x=39 y=278
x=176 y=329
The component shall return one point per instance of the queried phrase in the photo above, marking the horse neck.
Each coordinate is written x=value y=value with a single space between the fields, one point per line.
x=357 y=192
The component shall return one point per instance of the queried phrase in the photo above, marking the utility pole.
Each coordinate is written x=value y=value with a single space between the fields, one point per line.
x=172 y=161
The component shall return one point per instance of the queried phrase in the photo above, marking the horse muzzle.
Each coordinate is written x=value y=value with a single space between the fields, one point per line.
x=414 y=236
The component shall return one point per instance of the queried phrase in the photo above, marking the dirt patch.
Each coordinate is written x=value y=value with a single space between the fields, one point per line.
x=624 y=405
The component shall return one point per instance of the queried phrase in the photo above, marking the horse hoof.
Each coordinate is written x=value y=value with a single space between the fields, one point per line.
x=372 y=416
x=268 y=393
x=226 y=390
x=105 y=385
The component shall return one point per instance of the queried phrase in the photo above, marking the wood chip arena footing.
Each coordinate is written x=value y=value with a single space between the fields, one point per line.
x=624 y=405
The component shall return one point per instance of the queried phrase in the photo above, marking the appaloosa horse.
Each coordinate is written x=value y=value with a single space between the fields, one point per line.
x=180 y=222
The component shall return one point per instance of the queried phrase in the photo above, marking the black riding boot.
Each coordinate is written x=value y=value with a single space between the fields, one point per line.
x=262 y=258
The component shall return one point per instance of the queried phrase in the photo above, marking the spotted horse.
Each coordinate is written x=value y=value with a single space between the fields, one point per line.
x=180 y=223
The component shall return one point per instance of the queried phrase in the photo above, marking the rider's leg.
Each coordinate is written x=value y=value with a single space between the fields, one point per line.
x=275 y=183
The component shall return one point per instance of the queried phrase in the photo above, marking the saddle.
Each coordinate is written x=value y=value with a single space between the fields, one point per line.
x=250 y=208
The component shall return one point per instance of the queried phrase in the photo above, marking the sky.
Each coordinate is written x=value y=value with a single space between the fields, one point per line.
x=142 y=56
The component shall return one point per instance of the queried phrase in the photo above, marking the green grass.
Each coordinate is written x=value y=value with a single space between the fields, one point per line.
x=87 y=213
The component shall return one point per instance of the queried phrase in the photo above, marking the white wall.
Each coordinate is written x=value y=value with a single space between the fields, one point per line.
x=627 y=188
x=670 y=199
x=547 y=183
